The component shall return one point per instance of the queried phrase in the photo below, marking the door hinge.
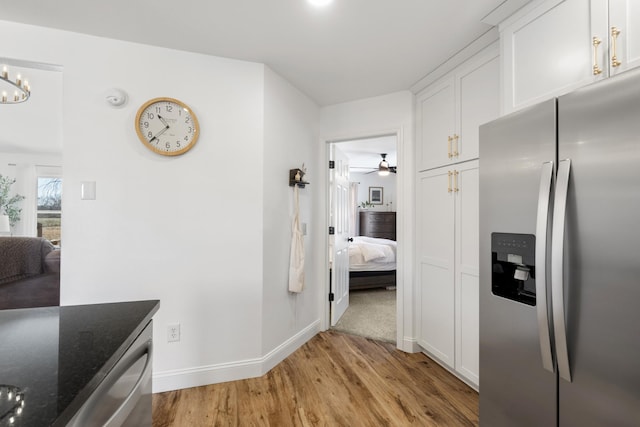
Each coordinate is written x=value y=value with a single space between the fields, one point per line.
x=331 y=297
x=332 y=231
x=332 y=164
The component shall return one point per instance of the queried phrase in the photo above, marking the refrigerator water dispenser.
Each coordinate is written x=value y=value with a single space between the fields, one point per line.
x=513 y=269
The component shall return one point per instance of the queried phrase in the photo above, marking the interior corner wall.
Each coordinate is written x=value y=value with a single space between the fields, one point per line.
x=290 y=134
x=186 y=230
x=373 y=116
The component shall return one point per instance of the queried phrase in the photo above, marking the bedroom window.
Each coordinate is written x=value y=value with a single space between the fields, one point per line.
x=49 y=210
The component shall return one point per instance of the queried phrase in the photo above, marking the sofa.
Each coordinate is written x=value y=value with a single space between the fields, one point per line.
x=29 y=273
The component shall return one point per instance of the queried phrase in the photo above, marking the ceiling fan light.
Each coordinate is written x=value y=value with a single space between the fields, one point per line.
x=382 y=172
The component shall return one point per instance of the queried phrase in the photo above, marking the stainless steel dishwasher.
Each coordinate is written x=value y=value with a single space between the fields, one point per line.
x=123 y=398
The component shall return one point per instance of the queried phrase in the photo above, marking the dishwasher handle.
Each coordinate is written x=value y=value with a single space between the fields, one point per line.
x=120 y=415
x=138 y=350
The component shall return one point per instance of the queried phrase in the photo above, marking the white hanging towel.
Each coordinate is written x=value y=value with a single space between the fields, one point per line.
x=296 y=260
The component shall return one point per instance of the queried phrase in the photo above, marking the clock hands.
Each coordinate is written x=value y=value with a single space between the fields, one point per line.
x=164 y=122
x=166 y=126
x=159 y=133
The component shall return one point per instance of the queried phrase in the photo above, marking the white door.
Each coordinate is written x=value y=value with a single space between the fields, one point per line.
x=340 y=240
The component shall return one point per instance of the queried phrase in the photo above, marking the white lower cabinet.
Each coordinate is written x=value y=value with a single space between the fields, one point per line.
x=447 y=292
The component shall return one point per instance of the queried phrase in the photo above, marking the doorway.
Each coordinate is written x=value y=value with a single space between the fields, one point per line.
x=372 y=303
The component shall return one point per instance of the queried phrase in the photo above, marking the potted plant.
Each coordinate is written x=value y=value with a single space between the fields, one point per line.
x=9 y=204
x=366 y=204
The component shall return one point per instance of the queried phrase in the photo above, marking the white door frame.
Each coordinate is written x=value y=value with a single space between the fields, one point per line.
x=401 y=205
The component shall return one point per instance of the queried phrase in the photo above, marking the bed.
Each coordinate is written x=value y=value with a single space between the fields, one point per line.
x=372 y=263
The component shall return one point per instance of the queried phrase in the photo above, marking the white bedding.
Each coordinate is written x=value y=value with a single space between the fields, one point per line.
x=372 y=254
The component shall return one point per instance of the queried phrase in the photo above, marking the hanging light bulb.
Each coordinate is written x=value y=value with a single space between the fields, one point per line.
x=22 y=88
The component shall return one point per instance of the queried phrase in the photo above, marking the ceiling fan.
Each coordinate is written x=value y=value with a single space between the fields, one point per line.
x=383 y=167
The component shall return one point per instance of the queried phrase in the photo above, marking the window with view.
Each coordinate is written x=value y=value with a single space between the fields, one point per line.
x=49 y=212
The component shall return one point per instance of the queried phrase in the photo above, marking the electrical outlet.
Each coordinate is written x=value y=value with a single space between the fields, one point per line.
x=173 y=332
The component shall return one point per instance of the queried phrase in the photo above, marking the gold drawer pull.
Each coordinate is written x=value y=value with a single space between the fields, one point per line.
x=455 y=181
x=449 y=139
x=449 y=173
x=614 y=38
x=596 y=68
x=455 y=150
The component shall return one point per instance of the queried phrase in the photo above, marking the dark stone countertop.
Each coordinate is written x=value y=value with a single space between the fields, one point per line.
x=56 y=356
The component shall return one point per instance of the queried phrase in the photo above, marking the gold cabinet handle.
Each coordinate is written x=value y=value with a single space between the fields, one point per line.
x=614 y=38
x=596 y=69
x=455 y=181
x=449 y=139
x=455 y=149
x=449 y=173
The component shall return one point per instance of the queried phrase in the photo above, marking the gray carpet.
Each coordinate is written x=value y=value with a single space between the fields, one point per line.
x=371 y=314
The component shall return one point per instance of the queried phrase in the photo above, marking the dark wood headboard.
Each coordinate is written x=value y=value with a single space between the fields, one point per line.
x=378 y=224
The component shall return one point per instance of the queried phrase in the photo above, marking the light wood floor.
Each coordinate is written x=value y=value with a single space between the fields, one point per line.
x=334 y=379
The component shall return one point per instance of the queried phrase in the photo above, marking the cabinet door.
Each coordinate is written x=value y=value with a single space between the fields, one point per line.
x=435 y=114
x=435 y=232
x=625 y=16
x=478 y=96
x=467 y=271
x=548 y=52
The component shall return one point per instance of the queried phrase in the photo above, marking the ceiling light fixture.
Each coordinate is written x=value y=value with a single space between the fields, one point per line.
x=320 y=3
x=383 y=167
x=21 y=89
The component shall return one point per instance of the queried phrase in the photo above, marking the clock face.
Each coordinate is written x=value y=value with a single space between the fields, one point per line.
x=167 y=126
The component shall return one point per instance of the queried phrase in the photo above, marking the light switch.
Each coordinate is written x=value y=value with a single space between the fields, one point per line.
x=304 y=228
x=88 y=190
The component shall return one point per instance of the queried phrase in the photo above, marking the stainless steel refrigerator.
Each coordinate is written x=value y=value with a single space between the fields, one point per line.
x=560 y=261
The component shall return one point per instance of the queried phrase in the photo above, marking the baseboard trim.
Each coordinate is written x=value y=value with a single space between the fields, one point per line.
x=211 y=374
x=410 y=345
x=278 y=354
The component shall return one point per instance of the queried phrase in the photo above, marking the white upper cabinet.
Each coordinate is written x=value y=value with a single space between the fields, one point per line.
x=449 y=112
x=478 y=102
x=624 y=16
x=556 y=46
x=436 y=121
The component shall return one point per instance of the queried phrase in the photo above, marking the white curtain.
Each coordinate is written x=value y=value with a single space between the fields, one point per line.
x=353 y=209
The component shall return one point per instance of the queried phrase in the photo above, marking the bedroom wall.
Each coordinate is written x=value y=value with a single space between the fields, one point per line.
x=290 y=139
x=186 y=230
x=388 y=183
x=378 y=116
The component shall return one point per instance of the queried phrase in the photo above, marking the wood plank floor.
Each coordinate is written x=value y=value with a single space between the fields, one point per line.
x=334 y=379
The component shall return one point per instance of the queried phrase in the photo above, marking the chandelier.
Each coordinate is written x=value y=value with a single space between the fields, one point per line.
x=21 y=89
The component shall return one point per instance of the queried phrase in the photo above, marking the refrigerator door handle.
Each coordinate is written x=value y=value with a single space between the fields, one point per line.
x=542 y=228
x=557 y=266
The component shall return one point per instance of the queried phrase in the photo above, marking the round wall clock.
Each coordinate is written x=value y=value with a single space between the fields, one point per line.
x=167 y=126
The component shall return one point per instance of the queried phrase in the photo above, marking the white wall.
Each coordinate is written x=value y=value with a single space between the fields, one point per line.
x=188 y=230
x=379 y=116
x=291 y=121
